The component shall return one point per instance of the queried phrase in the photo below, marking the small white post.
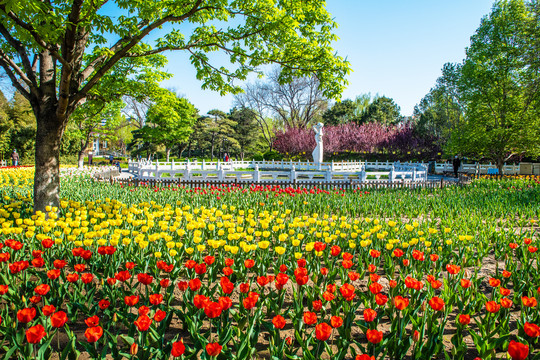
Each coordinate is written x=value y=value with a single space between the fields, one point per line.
x=256 y=174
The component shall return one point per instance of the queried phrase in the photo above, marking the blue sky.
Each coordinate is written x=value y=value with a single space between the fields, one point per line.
x=396 y=48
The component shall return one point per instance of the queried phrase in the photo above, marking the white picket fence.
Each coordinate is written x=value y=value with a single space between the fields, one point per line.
x=477 y=168
x=272 y=171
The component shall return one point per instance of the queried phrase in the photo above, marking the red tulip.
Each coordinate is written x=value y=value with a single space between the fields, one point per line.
x=453 y=269
x=364 y=357
x=528 y=301
x=59 y=264
x=143 y=310
x=72 y=277
x=381 y=299
x=249 y=263
x=92 y=321
x=159 y=315
x=87 y=278
x=93 y=334
x=464 y=319
x=178 y=349
x=336 y=321
x=347 y=291
x=518 y=351
x=374 y=336
x=436 y=303
x=145 y=279
x=200 y=301
x=492 y=306
x=310 y=318
x=209 y=260
x=400 y=302
x=225 y=302
x=213 y=309
x=506 y=303
x=79 y=268
x=59 y=319
x=194 y=284
x=48 y=310
x=26 y=315
x=103 y=304
x=250 y=301
x=279 y=322
x=370 y=315
x=213 y=349
x=4 y=289
x=123 y=276
x=143 y=323
x=323 y=331
x=155 y=299
x=182 y=285
x=200 y=268
x=131 y=300
x=532 y=330
x=226 y=285
x=35 y=334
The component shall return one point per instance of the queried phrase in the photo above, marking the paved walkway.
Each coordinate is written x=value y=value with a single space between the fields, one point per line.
x=439 y=177
x=125 y=174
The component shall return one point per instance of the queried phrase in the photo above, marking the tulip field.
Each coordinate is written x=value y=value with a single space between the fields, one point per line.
x=265 y=272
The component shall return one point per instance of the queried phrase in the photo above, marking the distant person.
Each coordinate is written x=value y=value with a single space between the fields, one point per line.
x=111 y=159
x=456 y=163
x=227 y=158
x=14 y=158
x=90 y=157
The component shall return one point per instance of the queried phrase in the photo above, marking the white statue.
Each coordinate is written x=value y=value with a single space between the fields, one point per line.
x=318 y=152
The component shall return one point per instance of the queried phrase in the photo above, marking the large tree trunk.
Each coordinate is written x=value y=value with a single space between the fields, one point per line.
x=47 y=160
x=84 y=146
x=168 y=151
x=500 y=165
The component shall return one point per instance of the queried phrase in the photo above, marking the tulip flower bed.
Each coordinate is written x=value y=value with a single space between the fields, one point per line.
x=259 y=272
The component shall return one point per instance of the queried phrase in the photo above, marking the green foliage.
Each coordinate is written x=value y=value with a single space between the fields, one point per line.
x=498 y=83
x=247 y=131
x=439 y=113
x=382 y=110
x=340 y=113
x=169 y=120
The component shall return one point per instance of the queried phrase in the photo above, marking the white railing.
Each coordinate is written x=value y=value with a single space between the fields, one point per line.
x=286 y=171
x=477 y=168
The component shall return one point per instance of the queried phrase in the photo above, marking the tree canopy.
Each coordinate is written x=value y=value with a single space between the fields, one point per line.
x=169 y=120
x=55 y=53
x=498 y=85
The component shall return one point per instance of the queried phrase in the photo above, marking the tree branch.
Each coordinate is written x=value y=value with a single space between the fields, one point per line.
x=17 y=70
x=13 y=78
x=125 y=49
x=34 y=34
x=18 y=46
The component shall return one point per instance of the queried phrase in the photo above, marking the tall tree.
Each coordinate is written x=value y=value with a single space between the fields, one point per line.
x=169 y=120
x=295 y=104
x=131 y=78
x=219 y=131
x=55 y=53
x=382 y=110
x=247 y=131
x=440 y=113
x=499 y=85
x=340 y=113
